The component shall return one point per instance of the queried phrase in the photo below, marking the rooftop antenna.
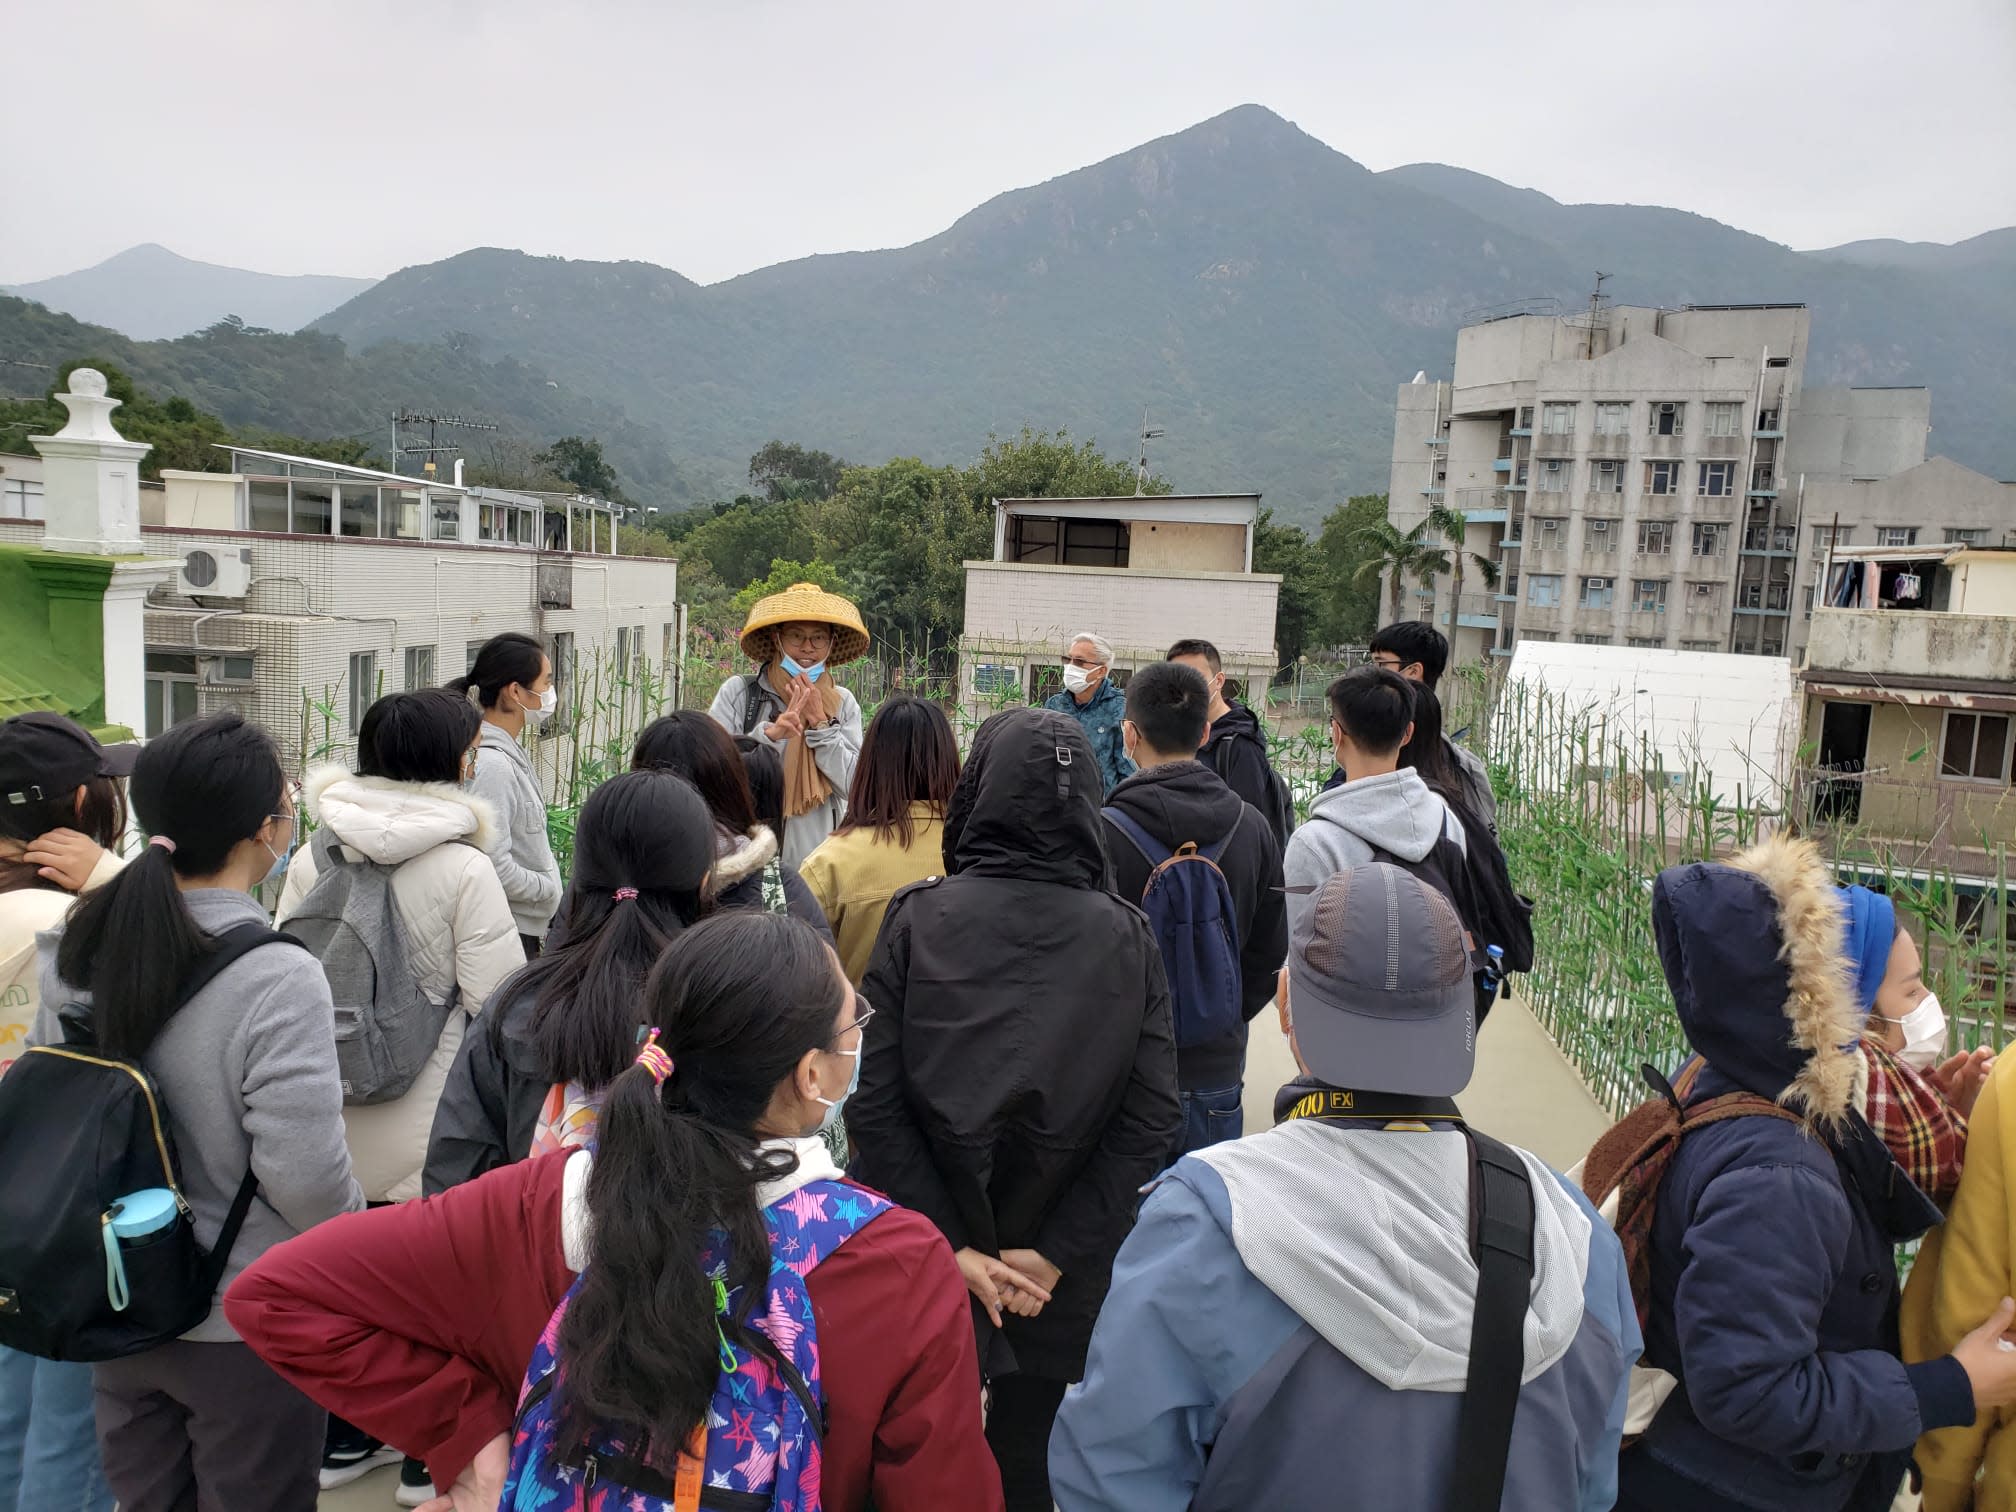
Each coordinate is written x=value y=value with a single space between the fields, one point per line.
x=1147 y=435
x=1595 y=309
x=433 y=448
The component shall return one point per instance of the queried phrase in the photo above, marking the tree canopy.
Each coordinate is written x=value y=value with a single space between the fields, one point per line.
x=579 y=460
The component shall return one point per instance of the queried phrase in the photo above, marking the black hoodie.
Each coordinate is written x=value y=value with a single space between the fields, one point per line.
x=1185 y=800
x=1018 y=1080
x=1236 y=749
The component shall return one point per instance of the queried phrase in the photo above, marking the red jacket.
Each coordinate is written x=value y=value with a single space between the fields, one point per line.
x=416 y=1322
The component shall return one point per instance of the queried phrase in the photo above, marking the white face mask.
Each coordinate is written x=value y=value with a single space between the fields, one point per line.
x=1076 y=679
x=1924 y=1033
x=548 y=702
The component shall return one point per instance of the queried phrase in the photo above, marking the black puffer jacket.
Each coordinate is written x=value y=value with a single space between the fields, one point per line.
x=1018 y=1083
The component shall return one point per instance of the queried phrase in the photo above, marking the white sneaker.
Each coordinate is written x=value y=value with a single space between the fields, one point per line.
x=341 y=1467
x=415 y=1489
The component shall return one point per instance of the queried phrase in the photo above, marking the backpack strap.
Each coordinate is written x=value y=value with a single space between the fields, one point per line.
x=1151 y=851
x=756 y=693
x=1501 y=1205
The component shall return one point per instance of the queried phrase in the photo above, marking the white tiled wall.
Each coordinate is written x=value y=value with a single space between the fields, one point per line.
x=1140 y=613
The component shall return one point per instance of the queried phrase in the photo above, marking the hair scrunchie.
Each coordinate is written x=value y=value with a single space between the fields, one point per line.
x=653 y=1058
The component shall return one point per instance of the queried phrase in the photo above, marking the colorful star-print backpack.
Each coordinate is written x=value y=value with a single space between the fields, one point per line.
x=760 y=1445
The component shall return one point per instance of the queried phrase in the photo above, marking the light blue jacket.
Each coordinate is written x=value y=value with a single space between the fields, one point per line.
x=1289 y=1326
x=1100 y=719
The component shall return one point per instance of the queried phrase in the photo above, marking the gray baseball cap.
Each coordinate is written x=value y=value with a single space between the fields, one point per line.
x=1380 y=986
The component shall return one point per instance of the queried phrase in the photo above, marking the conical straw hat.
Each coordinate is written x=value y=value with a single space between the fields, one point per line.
x=804 y=601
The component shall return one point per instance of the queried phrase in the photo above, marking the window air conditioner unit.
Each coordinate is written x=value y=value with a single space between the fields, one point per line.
x=214 y=572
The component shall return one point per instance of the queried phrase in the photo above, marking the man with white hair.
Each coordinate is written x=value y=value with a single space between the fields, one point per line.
x=1090 y=698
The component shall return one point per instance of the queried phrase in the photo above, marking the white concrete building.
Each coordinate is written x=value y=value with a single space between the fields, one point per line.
x=1642 y=477
x=306 y=590
x=1142 y=572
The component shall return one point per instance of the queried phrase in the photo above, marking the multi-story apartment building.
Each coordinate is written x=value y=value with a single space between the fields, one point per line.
x=1642 y=476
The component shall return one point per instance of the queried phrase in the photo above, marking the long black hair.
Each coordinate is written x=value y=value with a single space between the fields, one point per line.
x=420 y=736
x=646 y=831
x=503 y=660
x=908 y=756
x=1425 y=752
x=741 y=998
x=206 y=785
x=765 y=770
x=693 y=745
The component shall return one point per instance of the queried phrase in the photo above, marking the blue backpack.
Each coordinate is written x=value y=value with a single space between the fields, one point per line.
x=760 y=1444
x=1189 y=906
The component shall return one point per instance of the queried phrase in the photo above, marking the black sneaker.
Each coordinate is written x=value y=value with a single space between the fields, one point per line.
x=415 y=1489
x=349 y=1456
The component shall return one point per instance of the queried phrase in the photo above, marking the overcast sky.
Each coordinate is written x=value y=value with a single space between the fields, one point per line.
x=716 y=136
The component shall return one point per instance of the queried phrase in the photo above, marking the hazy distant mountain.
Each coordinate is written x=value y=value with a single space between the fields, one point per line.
x=148 y=292
x=1258 y=292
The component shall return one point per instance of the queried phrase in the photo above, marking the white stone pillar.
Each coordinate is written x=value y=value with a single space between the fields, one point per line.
x=126 y=639
x=91 y=476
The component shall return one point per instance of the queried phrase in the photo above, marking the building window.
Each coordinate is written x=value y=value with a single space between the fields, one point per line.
x=1648 y=596
x=1525 y=421
x=1785 y=538
x=1662 y=477
x=1966 y=537
x=1646 y=642
x=1827 y=537
x=1976 y=747
x=671 y=651
x=1750 y=596
x=1543 y=590
x=1584 y=638
x=1545 y=636
x=363 y=686
x=624 y=651
x=1700 y=645
x=1808 y=592
x=563 y=673
x=359 y=510
x=20 y=499
x=1772 y=645
x=419 y=668
x=1777 y=595
x=1557 y=420
x=1704 y=596
x=171 y=691
x=1598 y=593
x=1655 y=537
x=1725 y=419
x=1896 y=535
x=1710 y=540
x=1613 y=419
x=1606 y=477
x=1767 y=421
x=1667 y=419
x=446 y=510
x=470 y=648
x=1718 y=480
x=1519 y=475
x=1599 y=533
x=1547 y=533
x=1554 y=475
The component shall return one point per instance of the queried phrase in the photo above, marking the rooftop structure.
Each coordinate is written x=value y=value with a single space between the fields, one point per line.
x=1143 y=572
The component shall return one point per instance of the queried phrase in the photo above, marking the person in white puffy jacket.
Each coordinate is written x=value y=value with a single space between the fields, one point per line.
x=405 y=808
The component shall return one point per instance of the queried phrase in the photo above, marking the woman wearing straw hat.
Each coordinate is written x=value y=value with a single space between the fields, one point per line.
x=789 y=703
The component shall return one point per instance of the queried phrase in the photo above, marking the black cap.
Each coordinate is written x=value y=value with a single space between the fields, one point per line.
x=44 y=757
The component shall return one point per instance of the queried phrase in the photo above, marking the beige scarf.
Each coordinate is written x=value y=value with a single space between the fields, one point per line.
x=805 y=786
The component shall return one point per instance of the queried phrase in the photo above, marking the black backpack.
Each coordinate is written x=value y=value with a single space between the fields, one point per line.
x=1278 y=804
x=1446 y=868
x=1503 y=917
x=78 y=1131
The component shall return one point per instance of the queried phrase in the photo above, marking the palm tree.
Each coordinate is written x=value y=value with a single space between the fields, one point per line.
x=1394 y=553
x=1452 y=526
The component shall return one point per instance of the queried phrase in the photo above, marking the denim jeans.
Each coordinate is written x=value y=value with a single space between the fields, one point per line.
x=1211 y=1118
x=48 y=1439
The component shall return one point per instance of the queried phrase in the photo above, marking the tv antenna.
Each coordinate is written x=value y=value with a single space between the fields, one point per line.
x=407 y=420
x=1596 y=304
x=1147 y=435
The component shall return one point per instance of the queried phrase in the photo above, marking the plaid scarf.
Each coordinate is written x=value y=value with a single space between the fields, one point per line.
x=1924 y=1133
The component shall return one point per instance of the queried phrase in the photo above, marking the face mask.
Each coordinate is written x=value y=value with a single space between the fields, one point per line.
x=548 y=702
x=278 y=869
x=1076 y=679
x=1924 y=1034
x=833 y=1103
x=792 y=669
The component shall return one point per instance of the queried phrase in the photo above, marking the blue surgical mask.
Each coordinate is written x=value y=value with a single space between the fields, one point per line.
x=792 y=668
x=278 y=869
x=834 y=1104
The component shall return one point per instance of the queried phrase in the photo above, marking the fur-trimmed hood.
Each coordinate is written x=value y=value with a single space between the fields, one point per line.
x=1753 y=953
x=389 y=822
x=752 y=852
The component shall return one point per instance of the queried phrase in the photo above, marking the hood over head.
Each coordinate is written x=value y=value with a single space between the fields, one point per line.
x=389 y=822
x=1179 y=801
x=1027 y=804
x=1394 y=812
x=1753 y=954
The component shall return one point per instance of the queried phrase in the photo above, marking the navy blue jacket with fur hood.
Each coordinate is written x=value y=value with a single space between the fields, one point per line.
x=1774 y=1288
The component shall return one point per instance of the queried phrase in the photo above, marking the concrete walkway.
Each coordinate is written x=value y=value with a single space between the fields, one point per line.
x=1524 y=1093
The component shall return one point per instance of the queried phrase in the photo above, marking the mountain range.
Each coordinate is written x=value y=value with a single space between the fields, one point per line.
x=1257 y=292
x=150 y=293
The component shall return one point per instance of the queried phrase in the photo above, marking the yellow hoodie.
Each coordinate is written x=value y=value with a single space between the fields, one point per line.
x=1963 y=1272
x=855 y=873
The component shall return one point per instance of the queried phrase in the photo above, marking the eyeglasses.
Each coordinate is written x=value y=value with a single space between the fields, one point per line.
x=1388 y=663
x=863 y=1012
x=1081 y=663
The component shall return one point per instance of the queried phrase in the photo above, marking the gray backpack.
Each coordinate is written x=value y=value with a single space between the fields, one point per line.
x=385 y=1025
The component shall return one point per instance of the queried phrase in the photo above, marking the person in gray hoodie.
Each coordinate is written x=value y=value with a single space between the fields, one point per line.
x=246 y=1069
x=1382 y=810
x=1290 y=1321
x=512 y=679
